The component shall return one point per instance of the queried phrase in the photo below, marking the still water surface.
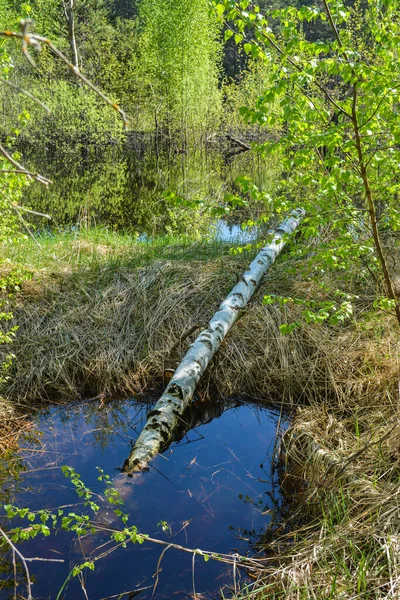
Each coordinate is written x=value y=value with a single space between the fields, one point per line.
x=123 y=187
x=211 y=488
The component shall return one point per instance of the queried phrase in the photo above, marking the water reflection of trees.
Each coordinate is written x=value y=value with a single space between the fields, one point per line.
x=122 y=186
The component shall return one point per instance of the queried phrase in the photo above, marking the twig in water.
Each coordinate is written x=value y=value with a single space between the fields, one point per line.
x=193 y=585
x=23 y=560
x=82 y=582
x=158 y=571
x=131 y=594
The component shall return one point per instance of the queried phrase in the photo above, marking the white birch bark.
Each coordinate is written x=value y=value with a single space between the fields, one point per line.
x=164 y=419
x=69 y=12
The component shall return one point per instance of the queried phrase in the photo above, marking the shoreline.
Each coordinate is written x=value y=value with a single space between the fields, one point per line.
x=107 y=318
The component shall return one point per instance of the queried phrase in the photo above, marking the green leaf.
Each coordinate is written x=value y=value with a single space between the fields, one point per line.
x=228 y=34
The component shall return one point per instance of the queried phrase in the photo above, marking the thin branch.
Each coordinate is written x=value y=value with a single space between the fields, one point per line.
x=131 y=592
x=26 y=93
x=185 y=335
x=23 y=560
x=18 y=172
x=36 y=176
x=35 y=41
x=24 y=224
x=372 y=209
x=331 y=22
x=32 y=212
x=246 y=562
x=193 y=583
x=299 y=68
x=41 y=559
x=158 y=570
x=376 y=109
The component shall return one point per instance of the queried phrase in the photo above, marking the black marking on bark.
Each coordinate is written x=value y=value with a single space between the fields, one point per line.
x=176 y=391
x=154 y=413
x=162 y=431
x=207 y=343
x=239 y=296
x=133 y=466
x=219 y=328
x=162 y=422
x=235 y=308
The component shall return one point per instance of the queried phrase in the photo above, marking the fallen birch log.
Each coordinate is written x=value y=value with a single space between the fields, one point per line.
x=166 y=415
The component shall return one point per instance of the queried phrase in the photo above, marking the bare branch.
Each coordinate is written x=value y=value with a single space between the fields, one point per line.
x=20 y=168
x=26 y=93
x=23 y=560
x=29 y=232
x=32 y=212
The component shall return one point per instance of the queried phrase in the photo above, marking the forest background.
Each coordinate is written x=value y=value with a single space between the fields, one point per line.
x=315 y=90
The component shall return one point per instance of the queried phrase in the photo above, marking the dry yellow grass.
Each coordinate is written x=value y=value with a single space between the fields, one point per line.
x=338 y=533
x=116 y=331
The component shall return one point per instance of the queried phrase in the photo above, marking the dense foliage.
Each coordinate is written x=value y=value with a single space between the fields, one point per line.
x=337 y=99
x=181 y=76
x=11 y=187
x=143 y=58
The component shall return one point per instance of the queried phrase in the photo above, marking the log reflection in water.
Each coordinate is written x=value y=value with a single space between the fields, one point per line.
x=200 y=413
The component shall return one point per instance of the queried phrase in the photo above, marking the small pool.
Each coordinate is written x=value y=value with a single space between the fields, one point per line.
x=212 y=491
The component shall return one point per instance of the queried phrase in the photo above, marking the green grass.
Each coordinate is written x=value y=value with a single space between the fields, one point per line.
x=100 y=247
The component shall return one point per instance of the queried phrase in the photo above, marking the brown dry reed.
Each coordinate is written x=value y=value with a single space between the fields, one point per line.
x=116 y=330
x=339 y=536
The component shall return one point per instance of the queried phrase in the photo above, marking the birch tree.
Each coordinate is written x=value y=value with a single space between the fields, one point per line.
x=339 y=98
x=166 y=417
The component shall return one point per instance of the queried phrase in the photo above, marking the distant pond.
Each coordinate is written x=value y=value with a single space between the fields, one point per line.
x=121 y=186
x=212 y=491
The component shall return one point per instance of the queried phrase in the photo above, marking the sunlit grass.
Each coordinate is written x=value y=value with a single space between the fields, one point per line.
x=100 y=247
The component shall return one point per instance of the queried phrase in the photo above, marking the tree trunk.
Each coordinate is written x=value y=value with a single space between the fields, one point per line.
x=69 y=9
x=164 y=419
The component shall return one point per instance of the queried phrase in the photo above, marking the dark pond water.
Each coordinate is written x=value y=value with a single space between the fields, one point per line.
x=122 y=187
x=212 y=489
